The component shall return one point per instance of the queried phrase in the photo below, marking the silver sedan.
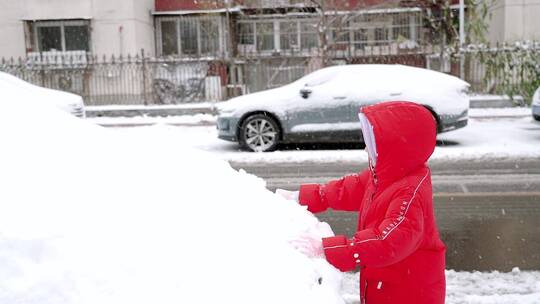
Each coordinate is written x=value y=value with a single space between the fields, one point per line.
x=322 y=107
x=536 y=105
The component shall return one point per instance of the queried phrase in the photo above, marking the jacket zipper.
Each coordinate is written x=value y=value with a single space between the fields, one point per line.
x=368 y=205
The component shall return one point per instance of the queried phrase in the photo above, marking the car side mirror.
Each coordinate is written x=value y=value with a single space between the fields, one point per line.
x=305 y=92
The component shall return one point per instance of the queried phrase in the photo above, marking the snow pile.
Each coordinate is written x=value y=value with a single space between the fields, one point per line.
x=88 y=215
x=13 y=86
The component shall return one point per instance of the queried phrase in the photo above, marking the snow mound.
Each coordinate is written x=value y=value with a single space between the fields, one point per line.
x=89 y=215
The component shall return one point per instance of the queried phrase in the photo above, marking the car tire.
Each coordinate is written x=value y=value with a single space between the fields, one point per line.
x=536 y=117
x=259 y=133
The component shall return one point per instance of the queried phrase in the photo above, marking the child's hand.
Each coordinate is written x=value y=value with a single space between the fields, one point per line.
x=288 y=195
x=309 y=246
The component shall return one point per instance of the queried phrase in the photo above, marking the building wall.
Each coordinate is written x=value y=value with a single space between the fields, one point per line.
x=514 y=20
x=175 y=5
x=531 y=20
x=11 y=29
x=117 y=27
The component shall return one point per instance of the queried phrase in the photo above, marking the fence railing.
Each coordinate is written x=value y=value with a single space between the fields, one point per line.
x=143 y=80
x=122 y=80
x=510 y=70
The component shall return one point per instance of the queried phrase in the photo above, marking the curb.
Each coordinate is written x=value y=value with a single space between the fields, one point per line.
x=157 y=111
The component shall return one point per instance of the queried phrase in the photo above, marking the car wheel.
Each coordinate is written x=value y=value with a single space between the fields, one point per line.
x=259 y=133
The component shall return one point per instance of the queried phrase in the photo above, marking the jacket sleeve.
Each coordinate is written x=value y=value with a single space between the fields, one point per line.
x=343 y=194
x=396 y=237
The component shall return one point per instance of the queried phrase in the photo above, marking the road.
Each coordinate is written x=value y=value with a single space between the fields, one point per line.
x=488 y=211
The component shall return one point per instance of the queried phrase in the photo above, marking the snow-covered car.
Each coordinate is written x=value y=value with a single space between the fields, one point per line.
x=13 y=86
x=536 y=105
x=323 y=106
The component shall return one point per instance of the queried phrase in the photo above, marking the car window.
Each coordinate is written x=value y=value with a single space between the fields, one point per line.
x=318 y=77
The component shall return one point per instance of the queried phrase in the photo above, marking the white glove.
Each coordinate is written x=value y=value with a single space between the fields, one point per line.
x=288 y=195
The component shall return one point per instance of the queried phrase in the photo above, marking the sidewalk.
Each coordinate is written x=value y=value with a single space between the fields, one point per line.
x=154 y=110
x=204 y=114
x=494 y=101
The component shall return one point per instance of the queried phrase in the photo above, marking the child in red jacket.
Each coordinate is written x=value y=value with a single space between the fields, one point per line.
x=397 y=246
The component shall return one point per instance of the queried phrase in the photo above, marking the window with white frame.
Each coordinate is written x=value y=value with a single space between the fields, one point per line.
x=401 y=27
x=190 y=35
x=246 y=33
x=265 y=36
x=308 y=34
x=360 y=38
x=380 y=35
x=375 y=30
x=60 y=35
x=288 y=35
x=169 y=37
x=272 y=35
x=339 y=33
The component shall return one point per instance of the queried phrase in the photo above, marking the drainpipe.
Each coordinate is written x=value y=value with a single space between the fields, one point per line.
x=461 y=38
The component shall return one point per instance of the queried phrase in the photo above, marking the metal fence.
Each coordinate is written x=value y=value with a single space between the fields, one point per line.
x=271 y=73
x=142 y=80
x=124 y=80
x=511 y=70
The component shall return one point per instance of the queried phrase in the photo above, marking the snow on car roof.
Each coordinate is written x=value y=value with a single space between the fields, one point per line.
x=369 y=82
x=351 y=74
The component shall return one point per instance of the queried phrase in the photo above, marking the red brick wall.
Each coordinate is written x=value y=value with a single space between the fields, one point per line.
x=176 y=5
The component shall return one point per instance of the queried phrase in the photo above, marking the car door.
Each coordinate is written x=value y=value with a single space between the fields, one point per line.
x=372 y=92
x=322 y=113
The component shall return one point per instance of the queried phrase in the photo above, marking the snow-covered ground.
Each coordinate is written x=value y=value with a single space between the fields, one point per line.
x=197 y=119
x=515 y=287
x=500 y=112
x=491 y=133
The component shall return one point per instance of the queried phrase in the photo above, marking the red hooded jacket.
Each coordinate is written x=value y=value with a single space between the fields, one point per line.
x=397 y=244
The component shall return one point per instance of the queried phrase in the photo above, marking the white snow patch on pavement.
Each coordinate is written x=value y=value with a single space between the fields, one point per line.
x=197 y=119
x=198 y=105
x=482 y=138
x=500 y=112
x=512 y=137
x=515 y=287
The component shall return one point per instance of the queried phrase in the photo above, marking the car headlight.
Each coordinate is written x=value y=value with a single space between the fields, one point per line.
x=222 y=124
